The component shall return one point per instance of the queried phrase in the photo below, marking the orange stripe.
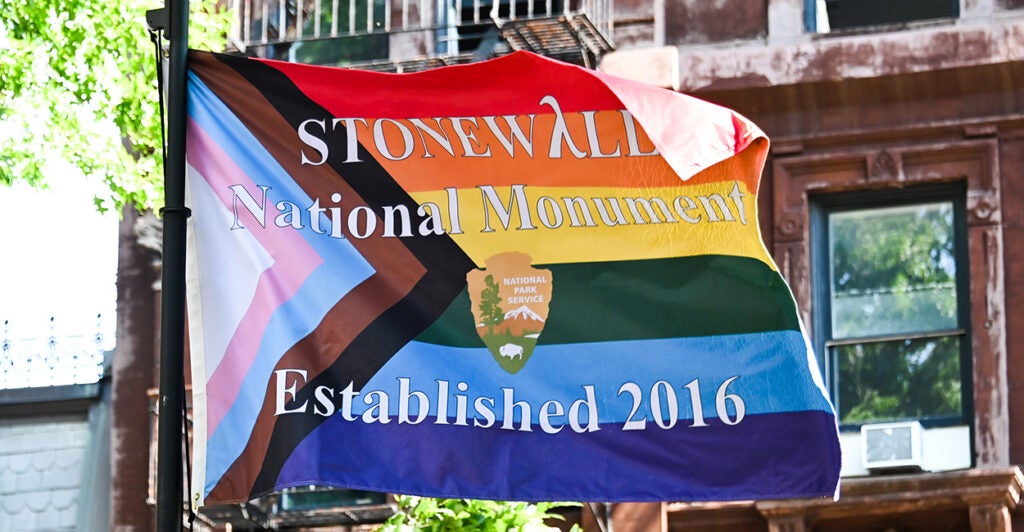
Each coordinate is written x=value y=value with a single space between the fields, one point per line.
x=419 y=172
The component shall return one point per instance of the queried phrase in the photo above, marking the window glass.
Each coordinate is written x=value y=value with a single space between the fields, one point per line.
x=890 y=321
x=893 y=270
x=900 y=379
x=466 y=25
x=360 y=24
x=838 y=15
x=313 y=497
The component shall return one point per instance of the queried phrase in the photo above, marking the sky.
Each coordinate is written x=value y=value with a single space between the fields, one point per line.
x=58 y=258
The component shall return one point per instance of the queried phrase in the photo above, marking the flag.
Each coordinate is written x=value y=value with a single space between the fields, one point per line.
x=515 y=279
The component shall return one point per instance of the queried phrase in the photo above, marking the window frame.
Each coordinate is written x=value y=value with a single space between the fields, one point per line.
x=820 y=207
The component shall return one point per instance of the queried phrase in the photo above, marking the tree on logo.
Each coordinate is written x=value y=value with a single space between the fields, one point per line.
x=490 y=305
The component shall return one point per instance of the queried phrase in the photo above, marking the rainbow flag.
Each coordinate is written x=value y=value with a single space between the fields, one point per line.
x=516 y=279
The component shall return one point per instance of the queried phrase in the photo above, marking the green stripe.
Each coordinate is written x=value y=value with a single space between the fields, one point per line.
x=667 y=298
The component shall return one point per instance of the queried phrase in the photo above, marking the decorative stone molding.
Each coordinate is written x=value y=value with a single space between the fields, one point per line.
x=987 y=496
x=885 y=168
x=981 y=500
x=991 y=517
x=794 y=57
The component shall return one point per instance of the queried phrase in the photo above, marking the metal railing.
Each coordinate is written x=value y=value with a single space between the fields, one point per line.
x=268 y=28
x=54 y=360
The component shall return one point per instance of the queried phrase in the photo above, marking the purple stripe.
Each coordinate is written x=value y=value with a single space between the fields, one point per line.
x=789 y=455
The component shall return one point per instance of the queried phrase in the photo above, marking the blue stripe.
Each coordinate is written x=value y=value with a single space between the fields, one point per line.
x=771 y=371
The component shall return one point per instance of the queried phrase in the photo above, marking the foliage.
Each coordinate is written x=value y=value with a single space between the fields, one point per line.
x=467 y=515
x=78 y=83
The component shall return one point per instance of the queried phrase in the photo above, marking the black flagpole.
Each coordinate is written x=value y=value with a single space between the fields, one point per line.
x=172 y=322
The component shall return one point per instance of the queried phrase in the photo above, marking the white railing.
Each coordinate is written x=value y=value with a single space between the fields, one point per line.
x=260 y=24
x=55 y=360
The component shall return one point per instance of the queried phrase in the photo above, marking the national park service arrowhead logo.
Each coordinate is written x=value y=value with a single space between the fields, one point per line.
x=510 y=301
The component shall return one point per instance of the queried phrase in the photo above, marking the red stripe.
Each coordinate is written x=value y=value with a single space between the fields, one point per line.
x=513 y=84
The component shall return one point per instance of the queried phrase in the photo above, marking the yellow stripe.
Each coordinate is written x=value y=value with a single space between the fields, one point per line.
x=710 y=218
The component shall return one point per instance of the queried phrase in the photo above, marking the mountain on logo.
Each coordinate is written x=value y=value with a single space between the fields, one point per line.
x=523 y=313
x=521 y=322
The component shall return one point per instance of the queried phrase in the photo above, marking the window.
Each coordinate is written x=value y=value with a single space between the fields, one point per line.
x=464 y=26
x=359 y=24
x=890 y=301
x=314 y=498
x=822 y=16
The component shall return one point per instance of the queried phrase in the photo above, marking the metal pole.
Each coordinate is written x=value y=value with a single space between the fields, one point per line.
x=172 y=326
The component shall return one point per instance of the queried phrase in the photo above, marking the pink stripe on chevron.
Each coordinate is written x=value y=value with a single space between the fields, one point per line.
x=293 y=261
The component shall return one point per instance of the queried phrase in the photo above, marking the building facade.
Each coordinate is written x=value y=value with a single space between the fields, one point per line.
x=54 y=433
x=892 y=202
x=881 y=115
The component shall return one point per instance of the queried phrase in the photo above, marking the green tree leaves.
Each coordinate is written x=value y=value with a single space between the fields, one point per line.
x=466 y=515
x=78 y=83
x=490 y=305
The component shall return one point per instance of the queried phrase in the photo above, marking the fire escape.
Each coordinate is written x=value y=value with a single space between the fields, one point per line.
x=413 y=35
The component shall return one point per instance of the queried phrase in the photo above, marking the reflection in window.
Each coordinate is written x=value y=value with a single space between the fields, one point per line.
x=893 y=270
x=889 y=312
x=464 y=26
x=902 y=379
x=360 y=22
x=314 y=497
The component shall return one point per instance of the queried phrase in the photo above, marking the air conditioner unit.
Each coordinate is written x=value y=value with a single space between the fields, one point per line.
x=889 y=446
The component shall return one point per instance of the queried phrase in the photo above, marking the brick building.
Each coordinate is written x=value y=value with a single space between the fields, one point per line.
x=878 y=113
x=892 y=201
